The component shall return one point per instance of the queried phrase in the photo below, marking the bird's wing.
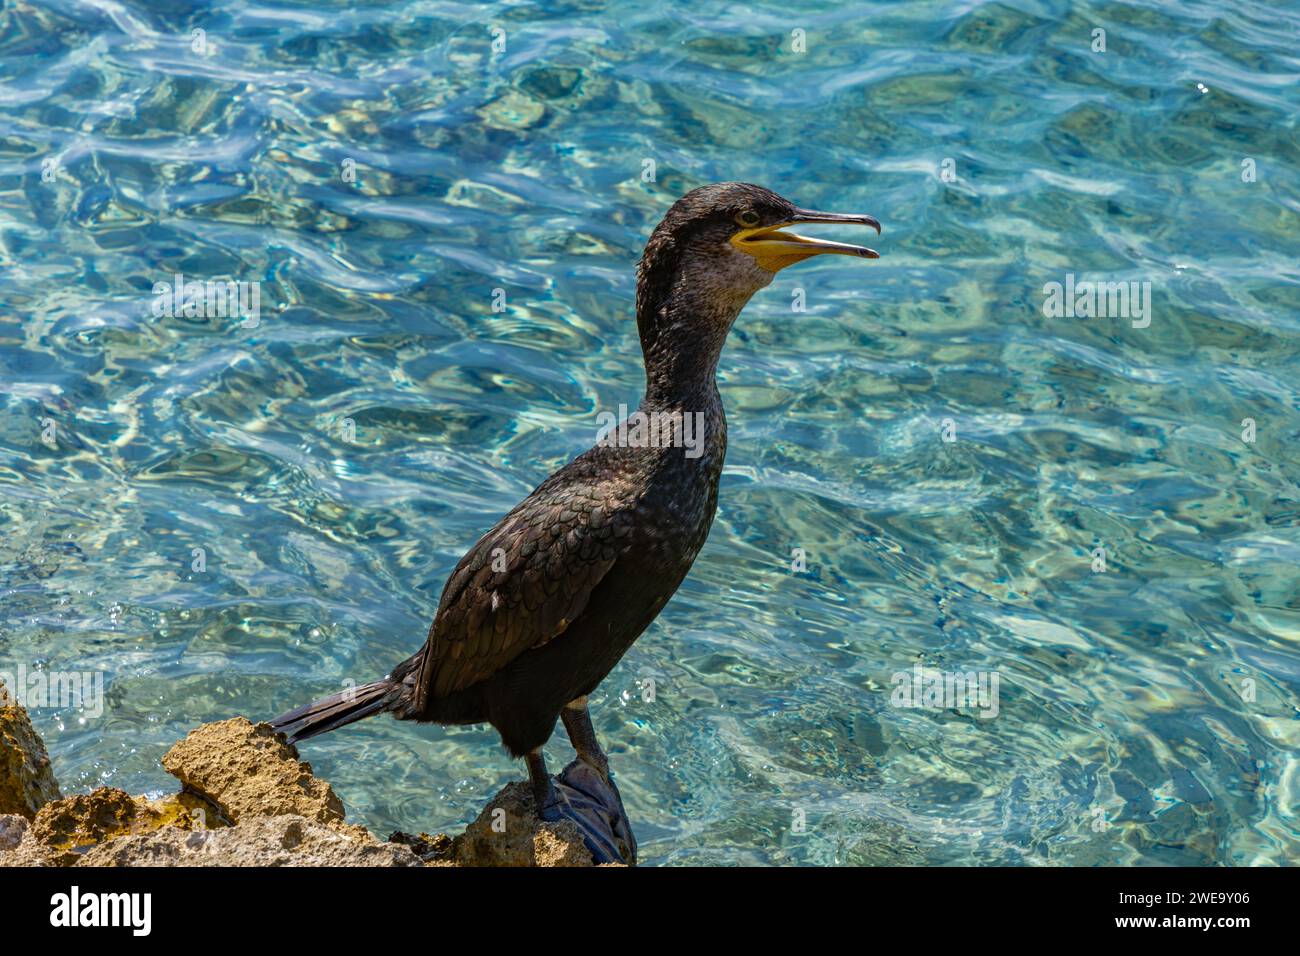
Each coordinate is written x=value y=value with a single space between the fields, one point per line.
x=522 y=584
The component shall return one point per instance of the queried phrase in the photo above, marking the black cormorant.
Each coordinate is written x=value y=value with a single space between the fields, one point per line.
x=542 y=607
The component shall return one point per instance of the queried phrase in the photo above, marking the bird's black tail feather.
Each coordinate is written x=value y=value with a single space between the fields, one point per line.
x=337 y=710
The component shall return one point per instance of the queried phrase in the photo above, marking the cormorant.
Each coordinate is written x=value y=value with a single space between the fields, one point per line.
x=544 y=605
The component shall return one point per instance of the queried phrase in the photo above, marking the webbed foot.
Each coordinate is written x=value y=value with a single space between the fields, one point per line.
x=593 y=802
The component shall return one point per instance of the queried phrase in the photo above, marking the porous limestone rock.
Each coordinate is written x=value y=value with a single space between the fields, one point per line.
x=246 y=800
x=257 y=841
x=26 y=779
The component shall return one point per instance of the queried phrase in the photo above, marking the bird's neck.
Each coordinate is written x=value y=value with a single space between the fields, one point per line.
x=684 y=342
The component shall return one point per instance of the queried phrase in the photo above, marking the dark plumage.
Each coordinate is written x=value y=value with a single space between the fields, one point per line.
x=544 y=605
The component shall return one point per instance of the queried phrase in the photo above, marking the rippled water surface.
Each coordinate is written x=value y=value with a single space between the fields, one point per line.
x=1147 y=713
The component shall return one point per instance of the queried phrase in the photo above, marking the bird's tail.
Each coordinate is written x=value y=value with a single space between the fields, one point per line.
x=393 y=694
x=337 y=710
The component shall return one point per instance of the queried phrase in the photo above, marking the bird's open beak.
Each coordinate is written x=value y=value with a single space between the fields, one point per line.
x=774 y=249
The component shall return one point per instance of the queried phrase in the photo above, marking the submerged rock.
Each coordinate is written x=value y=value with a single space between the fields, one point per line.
x=26 y=779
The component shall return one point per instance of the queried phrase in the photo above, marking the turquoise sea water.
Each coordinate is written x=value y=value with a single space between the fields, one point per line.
x=1147 y=713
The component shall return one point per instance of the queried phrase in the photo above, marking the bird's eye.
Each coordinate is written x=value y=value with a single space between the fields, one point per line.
x=748 y=218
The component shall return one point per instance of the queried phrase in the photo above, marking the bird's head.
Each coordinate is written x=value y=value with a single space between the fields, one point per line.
x=715 y=248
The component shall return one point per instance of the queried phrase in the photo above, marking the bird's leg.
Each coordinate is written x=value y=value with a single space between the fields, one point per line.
x=602 y=822
x=588 y=788
x=577 y=721
x=543 y=790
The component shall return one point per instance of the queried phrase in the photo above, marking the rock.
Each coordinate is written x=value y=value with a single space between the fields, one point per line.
x=436 y=850
x=251 y=771
x=267 y=841
x=506 y=833
x=247 y=800
x=17 y=845
x=512 y=110
x=12 y=830
x=71 y=826
x=26 y=779
x=523 y=840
